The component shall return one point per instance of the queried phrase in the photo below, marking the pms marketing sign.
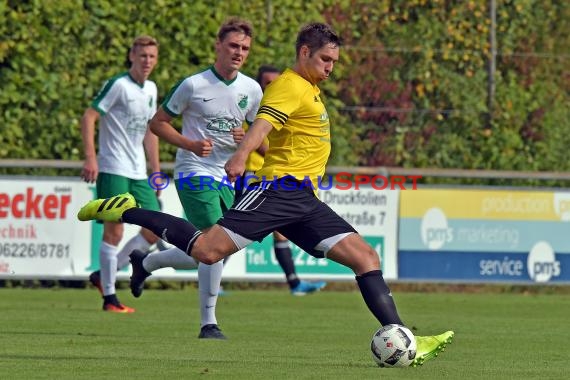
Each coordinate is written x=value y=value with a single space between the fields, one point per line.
x=482 y=235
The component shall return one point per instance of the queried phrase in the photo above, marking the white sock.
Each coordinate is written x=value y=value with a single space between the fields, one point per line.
x=137 y=242
x=209 y=278
x=172 y=257
x=108 y=265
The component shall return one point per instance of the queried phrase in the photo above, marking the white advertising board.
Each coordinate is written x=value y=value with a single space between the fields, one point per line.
x=40 y=237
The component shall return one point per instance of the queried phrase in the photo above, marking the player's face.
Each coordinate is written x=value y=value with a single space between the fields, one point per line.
x=319 y=65
x=143 y=59
x=232 y=53
x=267 y=78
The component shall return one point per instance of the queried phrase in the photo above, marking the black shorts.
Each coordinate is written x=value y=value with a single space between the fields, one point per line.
x=298 y=214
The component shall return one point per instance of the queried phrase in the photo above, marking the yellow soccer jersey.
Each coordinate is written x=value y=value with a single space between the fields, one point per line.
x=254 y=160
x=299 y=144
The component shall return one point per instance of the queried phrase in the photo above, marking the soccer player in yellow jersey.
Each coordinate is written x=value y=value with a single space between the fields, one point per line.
x=281 y=246
x=293 y=117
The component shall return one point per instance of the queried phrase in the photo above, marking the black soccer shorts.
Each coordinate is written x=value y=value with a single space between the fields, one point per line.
x=292 y=209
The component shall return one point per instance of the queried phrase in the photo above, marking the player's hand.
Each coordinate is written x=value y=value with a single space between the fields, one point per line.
x=90 y=170
x=234 y=167
x=238 y=134
x=203 y=148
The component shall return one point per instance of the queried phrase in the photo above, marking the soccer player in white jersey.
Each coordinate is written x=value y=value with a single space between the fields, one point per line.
x=213 y=103
x=123 y=109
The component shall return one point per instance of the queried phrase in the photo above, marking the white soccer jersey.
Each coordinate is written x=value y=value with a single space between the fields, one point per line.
x=125 y=107
x=211 y=107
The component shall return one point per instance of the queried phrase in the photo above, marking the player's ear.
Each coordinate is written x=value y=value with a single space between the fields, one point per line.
x=132 y=55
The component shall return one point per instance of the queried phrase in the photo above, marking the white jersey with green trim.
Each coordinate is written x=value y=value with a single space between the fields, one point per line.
x=125 y=107
x=211 y=107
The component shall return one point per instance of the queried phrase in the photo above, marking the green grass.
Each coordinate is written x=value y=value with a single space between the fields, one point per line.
x=62 y=334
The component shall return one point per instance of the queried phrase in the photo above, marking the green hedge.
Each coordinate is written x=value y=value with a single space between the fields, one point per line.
x=410 y=89
x=422 y=68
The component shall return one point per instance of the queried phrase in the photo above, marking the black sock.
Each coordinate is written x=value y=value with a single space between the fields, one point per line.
x=378 y=297
x=285 y=258
x=111 y=299
x=171 y=229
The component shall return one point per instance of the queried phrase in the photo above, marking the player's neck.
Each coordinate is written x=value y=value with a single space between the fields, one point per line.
x=227 y=74
x=303 y=74
x=138 y=77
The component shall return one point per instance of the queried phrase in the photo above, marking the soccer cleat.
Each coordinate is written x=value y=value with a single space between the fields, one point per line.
x=306 y=287
x=95 y=280
x=430 y=346
x=108 y=209
x=139 y=273
x=120 y=308
x=211 y=331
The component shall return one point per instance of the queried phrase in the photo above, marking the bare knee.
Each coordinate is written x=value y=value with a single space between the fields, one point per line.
x=205 y=256
x=212 y=246
x=371 y=258
x=356 y=254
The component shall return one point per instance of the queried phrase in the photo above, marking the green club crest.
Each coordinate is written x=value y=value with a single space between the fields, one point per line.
x=242 y=103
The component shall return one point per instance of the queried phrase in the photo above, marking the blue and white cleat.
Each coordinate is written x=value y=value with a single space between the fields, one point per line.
x=306 y=287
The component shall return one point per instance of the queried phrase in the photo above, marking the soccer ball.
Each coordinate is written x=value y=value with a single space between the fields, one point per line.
x=393 y=346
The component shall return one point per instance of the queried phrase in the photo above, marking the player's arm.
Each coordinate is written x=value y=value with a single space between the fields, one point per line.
x=252 y=140
x=160 y=125
x=90 y=168
x=262 y=148
x=151 y=147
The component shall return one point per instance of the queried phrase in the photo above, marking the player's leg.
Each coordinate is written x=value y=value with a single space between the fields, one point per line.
x=146 y=198
x=123 y=208
x=112 y=235
x=284 y=256
x=203 y=207
x=139 y=242
x=356 y=254
x=144 y=263
x=108 y=185
x=340 y=242
x=353 y=252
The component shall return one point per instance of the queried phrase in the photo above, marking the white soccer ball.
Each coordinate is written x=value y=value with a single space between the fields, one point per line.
x=393 y=346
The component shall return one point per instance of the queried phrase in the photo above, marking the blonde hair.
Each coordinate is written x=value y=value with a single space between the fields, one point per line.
x=144 y=40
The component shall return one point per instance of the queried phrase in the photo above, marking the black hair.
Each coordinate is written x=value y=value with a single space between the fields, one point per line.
x=316 y=35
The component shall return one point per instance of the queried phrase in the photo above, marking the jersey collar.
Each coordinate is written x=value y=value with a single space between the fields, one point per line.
x=141 y=85
x=227 y=82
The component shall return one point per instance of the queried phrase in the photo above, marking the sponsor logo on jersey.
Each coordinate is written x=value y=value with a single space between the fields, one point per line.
x=222 y=125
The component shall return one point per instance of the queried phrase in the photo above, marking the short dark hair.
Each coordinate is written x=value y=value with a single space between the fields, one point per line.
x=266 y=69
x=235 y=24
x=316 y=35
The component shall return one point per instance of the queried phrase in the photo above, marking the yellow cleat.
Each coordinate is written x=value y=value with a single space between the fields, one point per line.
x=108 y=209
x=430 y=346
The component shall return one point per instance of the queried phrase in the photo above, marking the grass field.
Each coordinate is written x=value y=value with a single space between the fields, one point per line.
x=62 y=334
